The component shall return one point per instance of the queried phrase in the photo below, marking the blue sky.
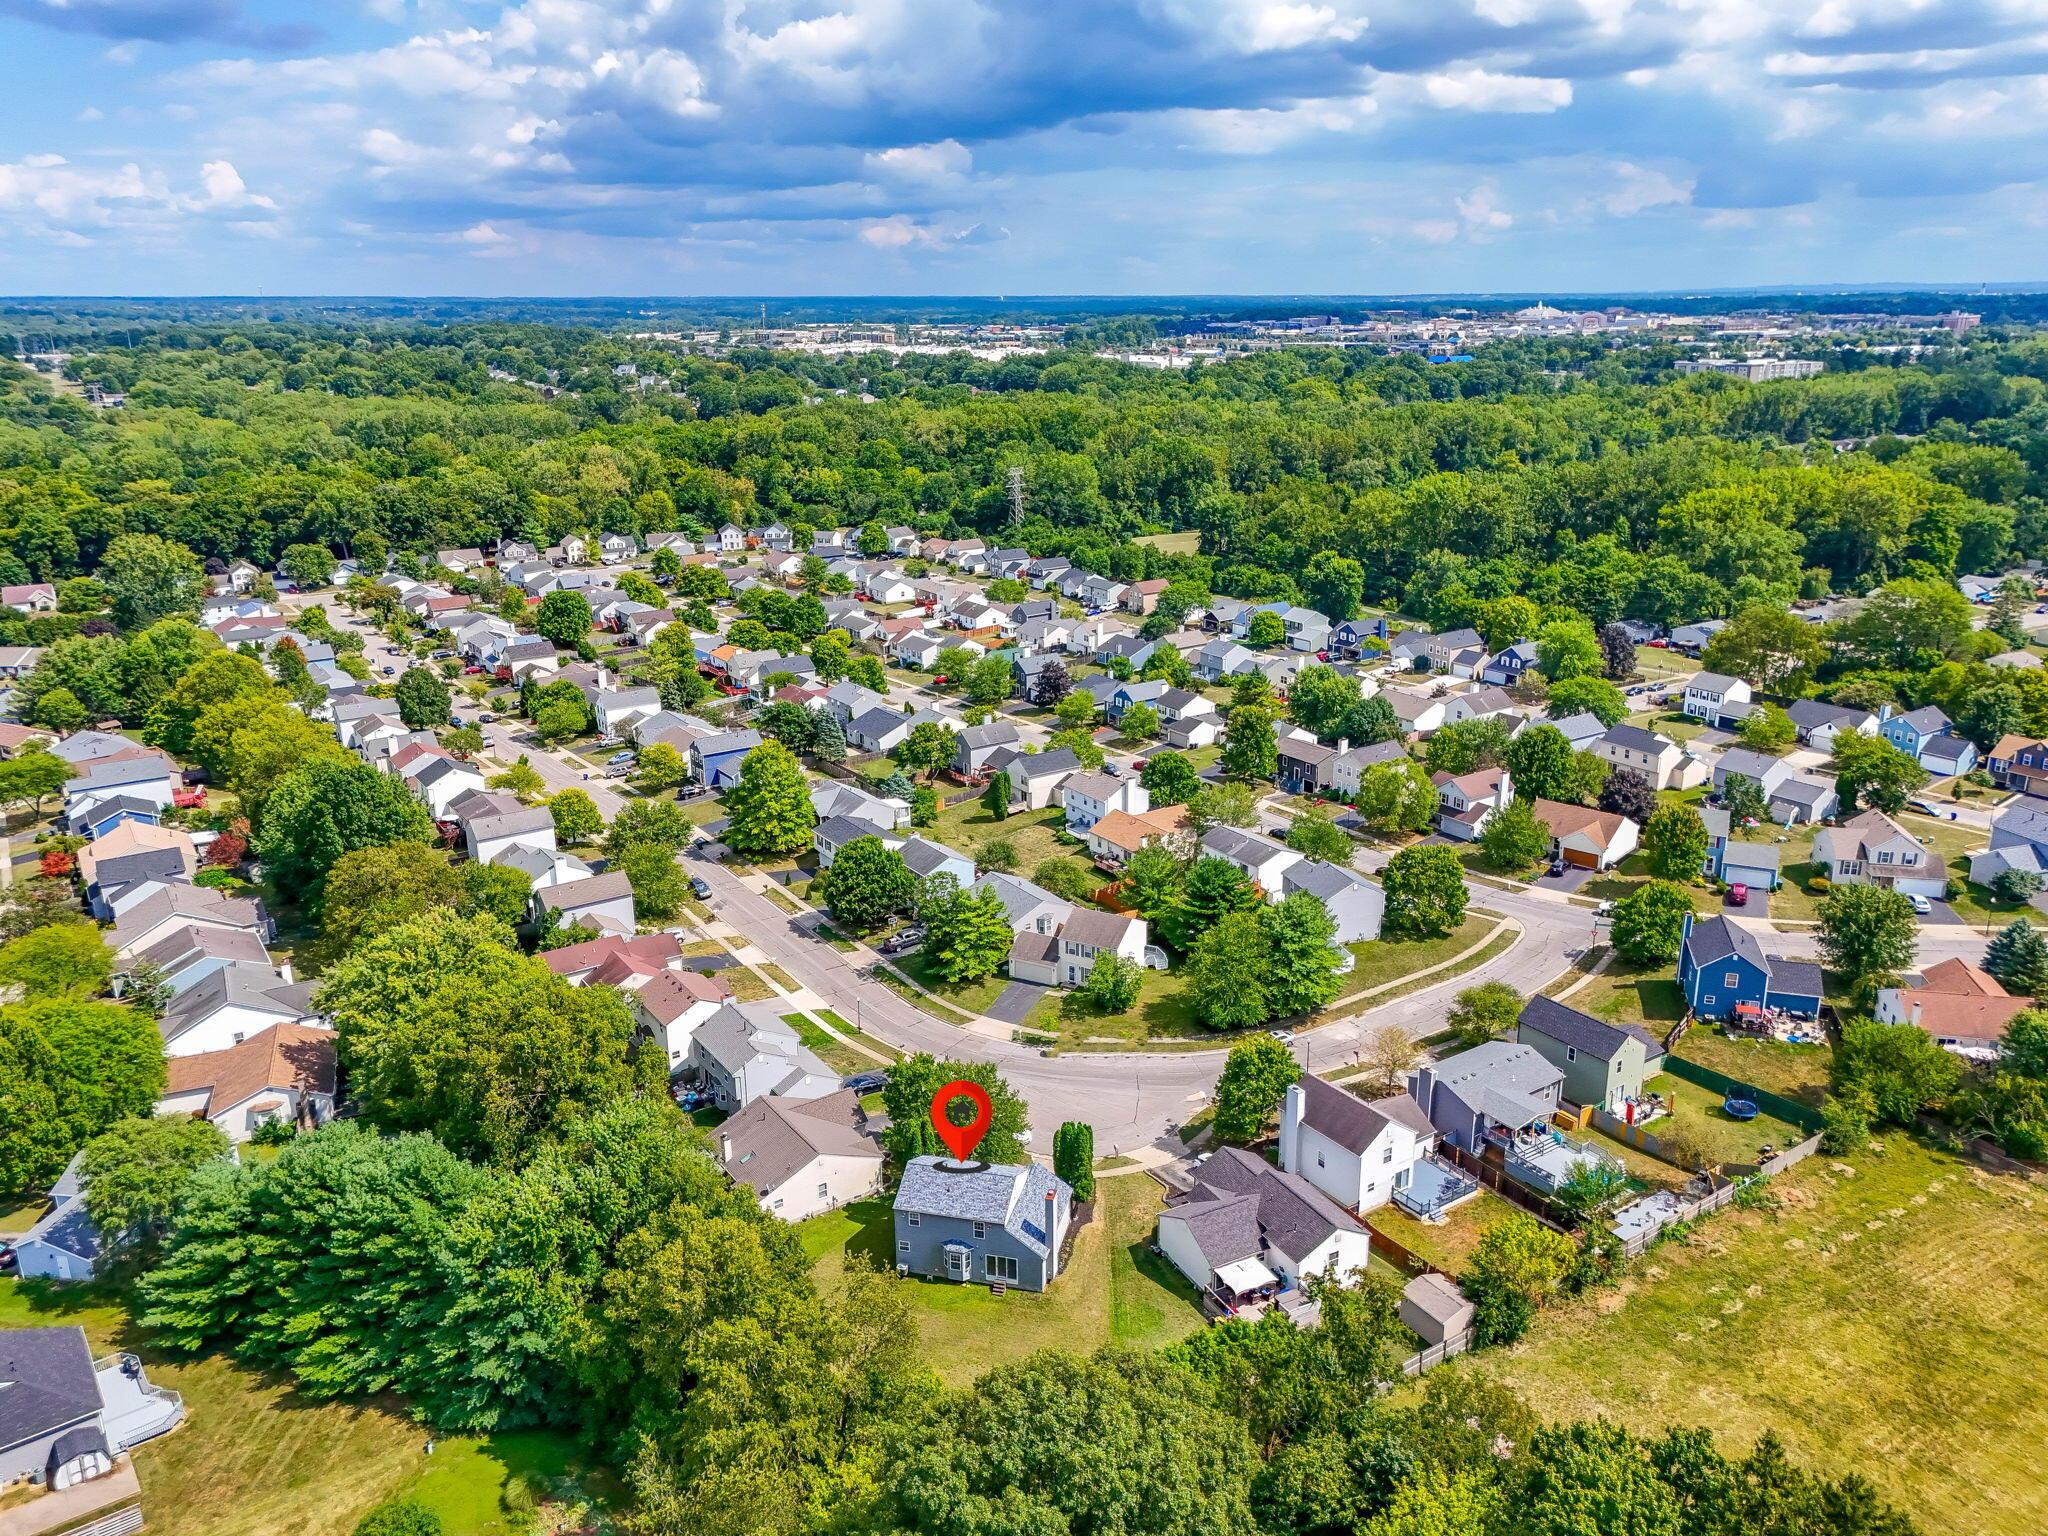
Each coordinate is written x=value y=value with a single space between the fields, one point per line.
x=997 y=146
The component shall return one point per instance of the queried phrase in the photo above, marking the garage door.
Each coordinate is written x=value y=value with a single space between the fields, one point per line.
x=1578 y=858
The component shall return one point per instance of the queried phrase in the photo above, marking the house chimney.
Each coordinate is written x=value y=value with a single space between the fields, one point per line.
x=1343 y=745
x=725 y=1146
x=284 y=969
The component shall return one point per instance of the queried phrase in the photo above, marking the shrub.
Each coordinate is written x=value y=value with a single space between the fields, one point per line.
x=273 y=1133
x=400 y=1517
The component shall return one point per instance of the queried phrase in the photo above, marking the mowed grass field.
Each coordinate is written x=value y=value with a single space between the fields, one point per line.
x=256 y=1458
x=1891 y=1318
x=1113 y=1290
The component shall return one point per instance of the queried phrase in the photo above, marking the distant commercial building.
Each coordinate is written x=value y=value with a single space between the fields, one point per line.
x=1756 y=370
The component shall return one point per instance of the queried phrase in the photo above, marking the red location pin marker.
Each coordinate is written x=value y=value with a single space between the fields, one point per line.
x=961 y=1140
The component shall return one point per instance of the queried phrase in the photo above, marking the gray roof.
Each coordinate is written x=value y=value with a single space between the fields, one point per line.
x=1716 y=938
x=1812 y=714
x=1926 y=718
x=1012 y=1196
x=1586 y=1034
x=1499 y=1067
x=68 y=1227
x=1047 y=764
x=1324 y=881
x=1236 y=843
x=1801 y=978
x=728 y=741
x=997 y=733
x=1634 y=738
x=1292 y=1214
x=1801 y=790
x=1955 y=748
x=510 y=823
x=1225 y=1227
x=46 y=1382
x=1752 y=856
x=1098 y=930
x=773 y=1138
x=590 y=890
x=1436 y=1296
x=1752 y=764
x=1352 y=1122
x=837 y=831
x=1019 y=896
x=238 y=984
x=925 y=857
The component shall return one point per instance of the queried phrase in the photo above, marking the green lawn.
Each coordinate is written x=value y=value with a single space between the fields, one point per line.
x=1629 y=994
x=748 y=985
x=972 y=996
x=1390 y=959
x=1795 y=1072
x=1172 y=543
x=1448 y=1243
x=1891 y=1318
x=1113 y=1290
x=1726 y=1139
x=1036 y=835
x=1631 y=874
x=15 y=1220
x=255 y=1458
x=859 y=1037
x=1163 y=1012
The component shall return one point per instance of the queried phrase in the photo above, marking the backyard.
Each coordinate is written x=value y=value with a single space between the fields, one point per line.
x=1719 y=1134
x=255 y=1458
x=1114 y=1290
x=1035 y=835
x=1795 y=1072
x=1889 y=1318
x=1449 y=1243
x=1627 y=994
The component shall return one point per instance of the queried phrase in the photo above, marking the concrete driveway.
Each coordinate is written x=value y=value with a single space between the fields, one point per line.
x=1572 y=878
x=1939 y=914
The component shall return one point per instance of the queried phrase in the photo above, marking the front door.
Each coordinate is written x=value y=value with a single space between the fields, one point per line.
x=957 y=1267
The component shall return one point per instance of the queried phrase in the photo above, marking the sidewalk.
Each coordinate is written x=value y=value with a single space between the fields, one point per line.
x=120 y=1486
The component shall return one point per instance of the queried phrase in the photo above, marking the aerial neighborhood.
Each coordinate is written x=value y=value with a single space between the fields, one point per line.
x=517 y=975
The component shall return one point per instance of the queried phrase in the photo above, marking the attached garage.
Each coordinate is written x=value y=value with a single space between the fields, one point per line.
x=1580 y=858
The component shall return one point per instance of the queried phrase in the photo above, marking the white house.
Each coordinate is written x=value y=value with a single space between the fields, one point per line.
x=602 y=903
x=745 y=1052
x=1665 y=763
x=1247 y=1229
x=1708 y=695
x=1088 y=797
x=669 y=1006
x=493 y=822
x=1356 y=1152
x=1355 y=904
x=1465 y=801
x=230 y=1005
x=1872 y=849
x=802 y=1156
x=284 y=1073
x=1262 y=861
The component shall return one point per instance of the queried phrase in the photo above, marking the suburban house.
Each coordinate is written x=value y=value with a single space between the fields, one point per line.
x=802 y=1156
x=1766 y=771
x=670 y=1004
x=1754 y=866
x=1360 y=1153
x=836 y=797
x=283 y=1073
x=1355 y=904
x=1000 y=1224
x=1087 y=933
x=973 y=747
x=1691 y=639
x=1585 y=838
x=603 y=903
x=1708 y=696
x=835 y=832
x=1347 y=770
x=715 y=760
x=1665 y=763
x=492 y=821
x=1464 y=801
x=1821 y=725
x=1501 y=1084
x=1036 y=777
x=1506 y=667
x=1804 y=797
x=1261 y=860
x=745 y=1051
x=1581 y=730
x=1604 y=1065
x=63 y=1244
x=1088 y=797
x=1964 y=1008
x=1248 y=1235
x=2020 y=763
x=2019 y=840
x=1030 y=909
x=614 y=960
x=1872 y=849
x=1119 y=834
x=1913 y=732
x=1724 y=973
x=228 y=1005
x=65 y=1417
x=1302 y=763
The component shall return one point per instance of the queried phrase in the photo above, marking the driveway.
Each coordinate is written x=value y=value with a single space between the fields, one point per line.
x=1016 y=1001
x=1940 y=913
x=1572 y=878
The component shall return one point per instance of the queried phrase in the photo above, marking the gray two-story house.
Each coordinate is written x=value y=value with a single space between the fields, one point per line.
x=988 y=1224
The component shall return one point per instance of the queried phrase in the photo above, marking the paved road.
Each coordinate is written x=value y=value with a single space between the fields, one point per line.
x=506 y=740
x=1130 y=1099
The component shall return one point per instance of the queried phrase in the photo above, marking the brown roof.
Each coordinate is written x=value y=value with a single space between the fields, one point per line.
x=1963 y=1016
x=590 y=890
x=1101 y=930
x=656 y=949
x=2010 y=745
x=282 y=1056
x=1567 y=820
x=1130 y=831
x=1959 y=978
x=134 y=837
x=672 y=994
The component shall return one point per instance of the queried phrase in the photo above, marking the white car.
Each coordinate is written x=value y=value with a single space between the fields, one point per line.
x=1921 y=904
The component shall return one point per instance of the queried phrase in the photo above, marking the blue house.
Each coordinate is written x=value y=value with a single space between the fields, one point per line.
x=96 y=821
x=1348 y=636
x=1505 y=668
x=717 y=759
x=1723 y=971
x=980 y=1223
x=1912 y=732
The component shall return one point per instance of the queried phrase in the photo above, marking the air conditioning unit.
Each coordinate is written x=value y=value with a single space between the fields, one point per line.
x=903 y=1270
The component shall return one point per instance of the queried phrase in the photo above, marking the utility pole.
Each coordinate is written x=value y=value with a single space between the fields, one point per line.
x=1016 y=495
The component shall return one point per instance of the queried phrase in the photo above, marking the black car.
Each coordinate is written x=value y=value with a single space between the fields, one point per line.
x=868 y=1082
x=8 y=1262
x=700 y=887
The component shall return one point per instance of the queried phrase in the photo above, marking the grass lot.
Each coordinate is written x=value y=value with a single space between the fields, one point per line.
x=748 y=985
x=15 y=1220
x=836 y=1054
x=1627 y=994
x=972 y=996
x=1795 y=1072
x=779 y=976
x=1449 y=1243
x=1113 y=1290
x=1172 y=543
x=255 y=1458
x=1670 y=724
x=1163 y=1012
x=886 y=1052
x=1729 y=1140
x=1629 y=875
x=1891 y=1318
x=1036 y=835
x=1385 y=960
x=1657 y=662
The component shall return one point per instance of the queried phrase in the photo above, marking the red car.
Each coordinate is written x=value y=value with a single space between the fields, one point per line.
x=1738 y=895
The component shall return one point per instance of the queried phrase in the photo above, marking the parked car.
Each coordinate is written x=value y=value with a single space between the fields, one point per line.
x=1738 y=895
x=1284 y=1036
x=620 y=757
x=1557 y=866
x=700 y=887
x=486 y=718
x=8 y=1262
x=902 y=939
x=1921 y=905
x=868 y=1082
x=388 y=671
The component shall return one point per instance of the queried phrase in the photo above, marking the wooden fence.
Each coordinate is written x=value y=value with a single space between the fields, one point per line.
x=1492 y=1176
x=1437 y=1354
x=1402 y=1257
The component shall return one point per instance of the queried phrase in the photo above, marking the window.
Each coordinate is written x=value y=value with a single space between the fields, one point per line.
x=1319 y=1160
x=1708 y=998
x=1388 y=1155
x=1731 y=980
x=981 y=1229
x=903 y=1247
x=824 y=1191
x=1884 y=856
x=916 y=1219
x=1571 y=1053
x=999 y=1266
